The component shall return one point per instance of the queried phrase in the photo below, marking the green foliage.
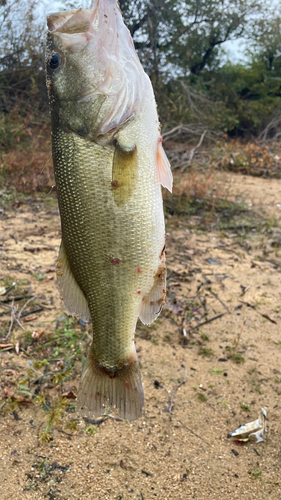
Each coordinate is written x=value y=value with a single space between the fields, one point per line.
x=54 y=415
x=250 y=95
x=185 y=36
x=91 y=430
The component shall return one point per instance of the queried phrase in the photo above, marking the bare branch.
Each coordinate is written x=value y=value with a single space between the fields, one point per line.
x=191 y=154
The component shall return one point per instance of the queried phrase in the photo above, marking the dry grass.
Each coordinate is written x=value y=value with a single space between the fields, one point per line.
x=27 y=167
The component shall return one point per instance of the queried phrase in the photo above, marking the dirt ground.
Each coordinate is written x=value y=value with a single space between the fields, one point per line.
x=232 y=365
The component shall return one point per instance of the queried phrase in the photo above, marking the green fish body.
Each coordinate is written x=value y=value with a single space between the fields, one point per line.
x=109 y=164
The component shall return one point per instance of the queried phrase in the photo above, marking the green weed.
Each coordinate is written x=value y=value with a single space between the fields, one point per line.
x=205 y=337
x=39 y=277
x=91 y=430
x=205 y=351
x=255 y=472
x=245 y=407
x=237 y=358
x=202 y=397
x=54 y=413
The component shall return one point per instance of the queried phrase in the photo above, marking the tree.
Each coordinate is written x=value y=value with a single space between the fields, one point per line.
x=180 y=37
x=265 y=42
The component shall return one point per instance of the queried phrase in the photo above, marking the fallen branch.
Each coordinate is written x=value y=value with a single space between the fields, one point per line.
x=207 y=321
x=33 y=311
x=217 y=297
x=15 y=299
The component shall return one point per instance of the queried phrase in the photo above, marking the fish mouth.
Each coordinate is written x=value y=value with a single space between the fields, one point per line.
x=72 y=21
x=73 y=29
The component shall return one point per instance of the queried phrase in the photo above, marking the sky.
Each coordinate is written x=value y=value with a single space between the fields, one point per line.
x=236 y=50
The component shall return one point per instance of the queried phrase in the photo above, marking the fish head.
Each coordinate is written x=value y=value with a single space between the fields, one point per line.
x=74 y=71
x=94 y=78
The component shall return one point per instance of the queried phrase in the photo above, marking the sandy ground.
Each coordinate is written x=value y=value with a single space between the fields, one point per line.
x=174 y=455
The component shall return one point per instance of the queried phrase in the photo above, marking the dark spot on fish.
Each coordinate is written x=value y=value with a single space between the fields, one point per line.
x=115 y=261
x=139 y=292
x=163 y=251
x=115 y=184
x=139 y=270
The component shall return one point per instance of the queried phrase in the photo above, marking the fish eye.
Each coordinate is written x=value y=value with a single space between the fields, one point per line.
x=55 y=61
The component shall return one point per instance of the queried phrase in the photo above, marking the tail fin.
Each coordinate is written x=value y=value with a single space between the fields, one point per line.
x=120 y=390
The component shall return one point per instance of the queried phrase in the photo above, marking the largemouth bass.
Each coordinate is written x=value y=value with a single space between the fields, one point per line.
x=109 y=166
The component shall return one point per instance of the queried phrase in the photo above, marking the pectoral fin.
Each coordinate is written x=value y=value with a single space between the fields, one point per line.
x=73 y=297
x=164 y=168
x=124 y=174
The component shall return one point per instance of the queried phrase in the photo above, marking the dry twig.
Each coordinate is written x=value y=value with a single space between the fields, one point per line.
x=207 y=321
x=14 y=318
x=192 y=152
x=172 y=395
x=194 y=433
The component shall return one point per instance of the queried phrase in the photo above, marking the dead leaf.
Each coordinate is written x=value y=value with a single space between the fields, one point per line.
x=123 y=465
x=37 y=334
x=33 y=317
x=9 y=370
x=69 y=395
x=2 y=346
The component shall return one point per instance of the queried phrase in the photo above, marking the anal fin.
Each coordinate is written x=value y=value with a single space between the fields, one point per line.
x=73 y=297
x=152 y=302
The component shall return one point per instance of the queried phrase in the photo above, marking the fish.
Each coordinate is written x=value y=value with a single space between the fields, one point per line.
x=109 y=166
